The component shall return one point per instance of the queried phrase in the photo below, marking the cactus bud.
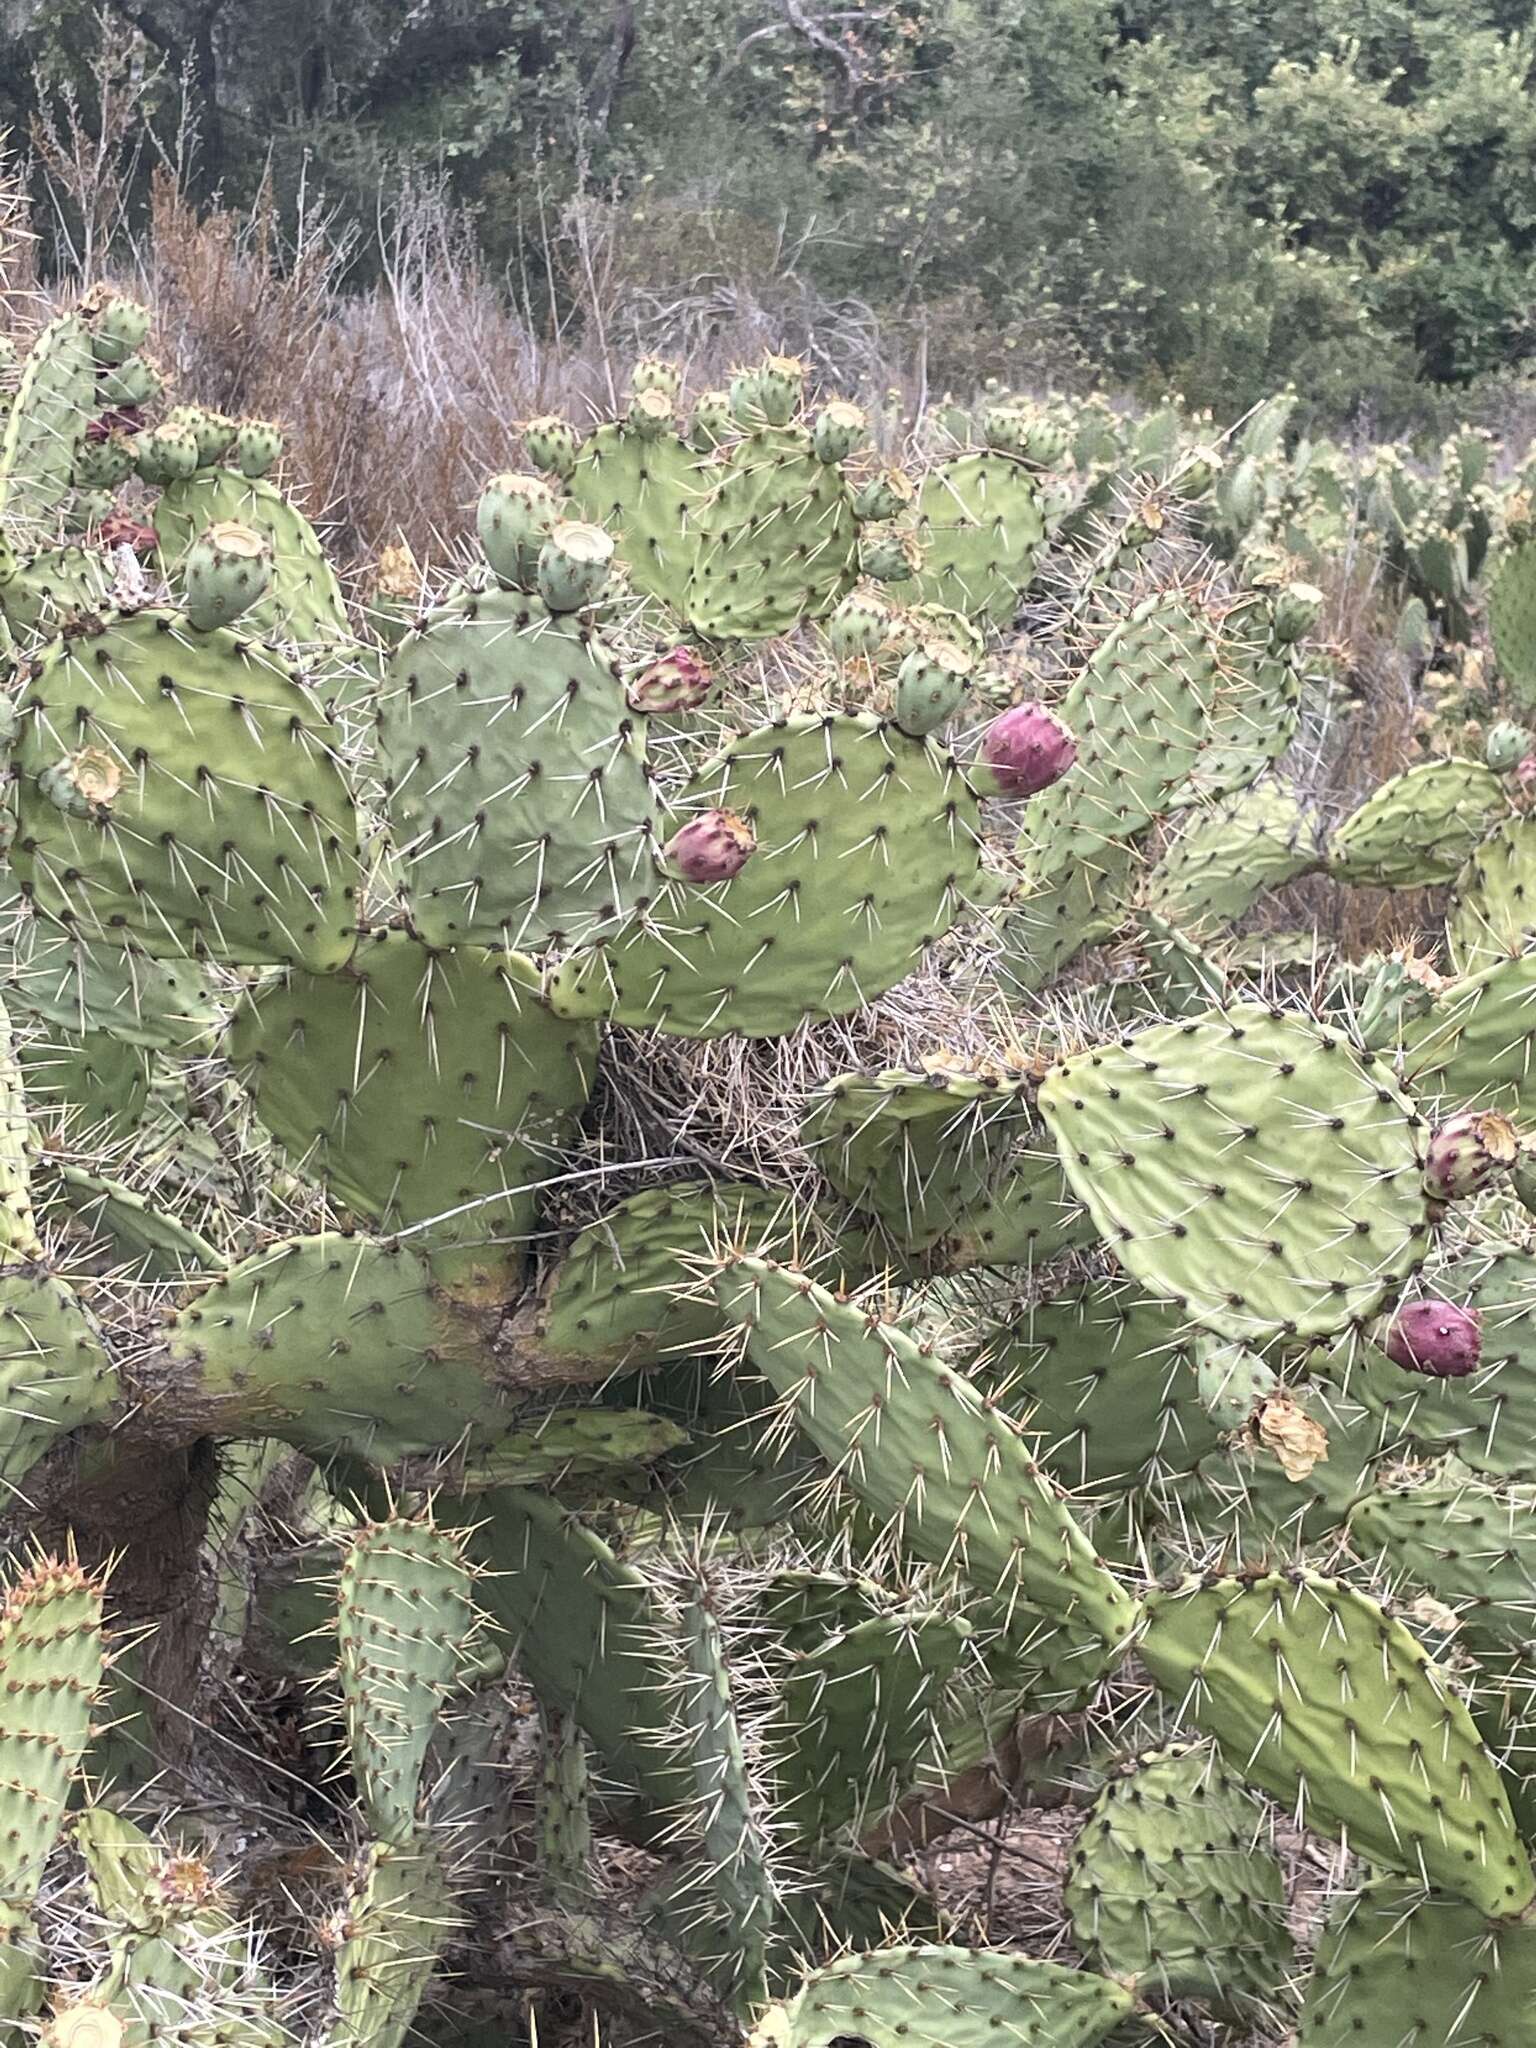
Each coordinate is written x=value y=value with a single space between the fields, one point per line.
x=514 y=518
x=1027 y=748
x=1436 y=1338
x=931 y=685
x=712 y=847
x=1467 y=1152
x=1005 y=428
x=657 y=373
x=780 y=384
x=679 y=681
x=118 y=325
x=889 y=554
x=133 y=381
x=228 y=569
x=103 y=464
x=650 y=414
x=713 y=419
x=551 y=445
x=258 y=444
x=840 y=430
x=858 y=626
x=1506 y=746
x=165 y=455
x=885 y=496
x=573 y=565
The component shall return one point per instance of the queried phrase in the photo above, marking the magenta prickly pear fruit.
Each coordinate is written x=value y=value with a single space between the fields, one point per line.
x=1467 y=1152
x=1027 y=748
x=679 y=681
x=712 y=847
x=1437 y=1338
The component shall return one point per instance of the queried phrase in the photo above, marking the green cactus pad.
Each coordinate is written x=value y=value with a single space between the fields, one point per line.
x=515 y=776
x=304 y=604
x=1171 y=1888
x=50 y=1674
x=648 y=491
x=334 y=1343
x=1031 y=1218
x=1493 y=910
x=621 y=1296
x=417 y=1084
x=181 y=792
x=980 y=527
x=922 y=1448
x=155 y=1243
x=934 y=1997
x=397 y=1919
x=1420 y=827
x=18 y=1224
x=1397 y=1965
x=1318 y=1697
x=1474 y=1047
x=776 y=540
x=55 y=1374
x=1055 y=918
x=1106 y=1377
x=404 y=1620
x=920 y=1152
x=45 y=426
x=568 y=1443
x=867 y=852
x=86 y=1090
x=1473 y=1546
x=56 y=585
x=1228 y=856
x=109 y=988
x=1512 y=619
x=862 y=1712
x=1249 y=1165
x=1256 y=712
x=587 y=1631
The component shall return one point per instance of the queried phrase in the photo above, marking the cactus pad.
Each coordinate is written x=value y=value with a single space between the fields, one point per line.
x=1493 y=912
x=776 y=543
x=303 y=604
x=1226 y=857
x=1249 y=1165
x=647 y=490
x=1420 y=827
x=867 y=851
x=55 y=1374
x=980 y=528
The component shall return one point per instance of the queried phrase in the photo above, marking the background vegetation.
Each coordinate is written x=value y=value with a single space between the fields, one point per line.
x=1209 y=196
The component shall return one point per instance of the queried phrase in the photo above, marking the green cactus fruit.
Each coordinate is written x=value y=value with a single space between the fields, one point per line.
x=1506 y=745
x=1384 y=996
x=980 y=527
x=119 y=325
x=888 y=553
x=856 y=630
x=213 y=432
x=1493 y=906
x=931 y=685
x=839 y=430
x=427 y=1091
x=227 y=570
x=1397 y=1964
x=573 y=565
x=45 y=426
x=1319 y=1698
x=921 y=1152
x=398 y=1917
x=335 y=1343
x=1418 y=829
x=165 y=455
x=657 y=373
x=768 y=394
x=645 y=489
x=884 y=496
x=551 y=444
x=1512 y=618
x=180 y=791
x=650 y=414
x=1305 y=1227
x=934 y=1997
x=1172 y=1889
x=258 y=447
x=304 y=604
x=830 y=800
x=945 y=1466
x=515 y=777
x=776 y=539
x=130 y=385
x=515 y=516
x=714 y=420
x=405 y=1620
x=103 y=465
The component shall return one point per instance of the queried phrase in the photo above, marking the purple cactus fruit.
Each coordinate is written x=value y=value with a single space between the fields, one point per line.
x=1436 y=1338
x=712 y=847
x=679 y=681
x=1525 y=772
x=1466 y=1152
x=1027 y=748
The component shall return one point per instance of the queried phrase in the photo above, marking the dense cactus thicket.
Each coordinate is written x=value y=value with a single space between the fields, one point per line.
x=667 y=1193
